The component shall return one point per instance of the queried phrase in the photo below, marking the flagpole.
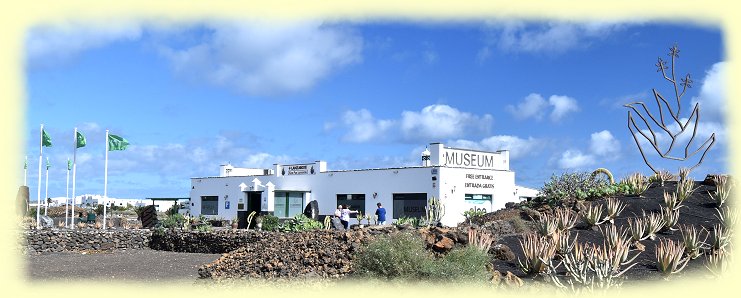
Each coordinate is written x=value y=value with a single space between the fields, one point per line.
x=105 y=180
x=38 y=189
x=25 y=172
x=46 y=196
x=66 y=197
x=74 y=172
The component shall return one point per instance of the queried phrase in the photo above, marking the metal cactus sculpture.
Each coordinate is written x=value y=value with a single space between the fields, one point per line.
x=434 y=211
x=674 y=113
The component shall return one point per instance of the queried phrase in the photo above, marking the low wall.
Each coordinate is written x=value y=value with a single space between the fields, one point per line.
x=60 y=240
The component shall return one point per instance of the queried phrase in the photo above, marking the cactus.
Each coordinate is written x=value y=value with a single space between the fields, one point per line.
x=249 y=219
x=434 y=211
x=606 y=172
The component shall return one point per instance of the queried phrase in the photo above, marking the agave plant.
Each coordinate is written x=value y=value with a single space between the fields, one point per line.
x=593 y=215
x=670 y=217
x=723 y=188
x=671 y=201
x=661 y=177
x=546 y=226
x=637 y=184
x=669 y=130
x=638 y=229
x=654 y=224
x=693 y=245
x=538 y=253
x=565 y=219
x=564 y=244
x=727 y=216
x=480 y=239
x=717 y=262
x=614 y=236
x=614 y=208
x=670 y=257
x=720 y=238
x=685 y=186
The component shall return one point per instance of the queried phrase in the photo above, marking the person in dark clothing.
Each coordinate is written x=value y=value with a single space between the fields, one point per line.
x=381 y=214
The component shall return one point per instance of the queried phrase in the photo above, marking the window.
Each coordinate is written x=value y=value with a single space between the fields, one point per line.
x=409 y=205
x=356 y=202
x=288 y=204
x=478 y=202
x=209 y=205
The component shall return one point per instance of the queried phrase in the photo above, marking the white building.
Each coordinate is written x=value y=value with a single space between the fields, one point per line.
x=89 y=200
x=462 y=179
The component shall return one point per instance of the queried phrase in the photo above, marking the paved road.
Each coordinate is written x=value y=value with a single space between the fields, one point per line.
x=141 y=265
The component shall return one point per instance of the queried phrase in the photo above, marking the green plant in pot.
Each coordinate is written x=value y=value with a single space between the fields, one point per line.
x=235 y=222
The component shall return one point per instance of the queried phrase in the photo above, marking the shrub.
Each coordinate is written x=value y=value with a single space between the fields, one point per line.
x=398 y=255
x=466 y=264
x=172 y=221
x=299 y=223
x=473 y=213
x=569 y=186
x=270 y=222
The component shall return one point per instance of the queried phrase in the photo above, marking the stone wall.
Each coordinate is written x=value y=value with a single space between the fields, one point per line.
x=60 y=240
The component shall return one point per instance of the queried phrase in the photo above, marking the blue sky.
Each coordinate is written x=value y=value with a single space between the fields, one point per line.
x=191 y=96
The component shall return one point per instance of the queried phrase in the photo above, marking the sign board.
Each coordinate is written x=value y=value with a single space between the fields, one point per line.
x=471 y=159
x=298 y=169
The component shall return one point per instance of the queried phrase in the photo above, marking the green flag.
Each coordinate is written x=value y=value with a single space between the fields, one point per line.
x=69 y=164
x=25 y=163
x=117 y=143
x=48 y=165
x=45 y=139
x=80 y=140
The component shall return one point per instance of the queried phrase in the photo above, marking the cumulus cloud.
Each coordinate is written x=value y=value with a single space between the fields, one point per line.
x=436 y=122
x=518 y=147
x=363 y=127
x=535 y=106
x=267 y=58
x=713 y=94
x=575 y=159
x=55 y=43
x=604 y=144
x=551 y=37
x=432 y=123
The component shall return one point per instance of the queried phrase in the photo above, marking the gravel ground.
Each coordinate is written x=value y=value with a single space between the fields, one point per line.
x=141 y=265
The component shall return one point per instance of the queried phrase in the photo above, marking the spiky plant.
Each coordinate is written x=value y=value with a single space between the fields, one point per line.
x=661 y=177
x=638 y=229
x=671 y=201
x=654 y=224
x=480 y=239
x=602 y=261
x=727 y=216
x=614 y=208
x=723 y=187
x=593 y=215
x=564 y=244
x=565 y=219
x=720 y=238
x=685 y=186
x=670 y=257
x=538 y=253
x=576 y=265
x=717 y=262
x=546 y=225
x=693 y=245
x=637 y=184
x=670 y=217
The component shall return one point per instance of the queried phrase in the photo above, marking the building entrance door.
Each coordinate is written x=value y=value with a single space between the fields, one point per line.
x=252 y=204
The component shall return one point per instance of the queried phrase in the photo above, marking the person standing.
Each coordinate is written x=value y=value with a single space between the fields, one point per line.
x=381 y=214
x=345 y=216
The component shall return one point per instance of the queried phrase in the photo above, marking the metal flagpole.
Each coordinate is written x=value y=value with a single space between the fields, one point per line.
x=105 y=180
x=38 y=189
x=66 y=197
x=25 y=171
x=46 y=196
x=74 y=172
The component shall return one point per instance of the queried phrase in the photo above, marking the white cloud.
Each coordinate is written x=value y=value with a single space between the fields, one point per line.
x=604 y=144
x=55 y=43
x=363 y=127
x=432 y=123
x=562 y=105
x=535 y=106
x=267 y=58
x=436 y=122
x=552 y=37
x=575 y=159
x=517 y=147
x=713 y=97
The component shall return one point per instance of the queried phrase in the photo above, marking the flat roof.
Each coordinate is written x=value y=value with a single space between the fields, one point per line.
x=358 y=170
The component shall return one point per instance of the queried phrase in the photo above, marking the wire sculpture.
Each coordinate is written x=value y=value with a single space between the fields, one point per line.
x=686 y=82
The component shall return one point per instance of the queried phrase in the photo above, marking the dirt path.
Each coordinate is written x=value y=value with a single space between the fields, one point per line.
x=141 y=265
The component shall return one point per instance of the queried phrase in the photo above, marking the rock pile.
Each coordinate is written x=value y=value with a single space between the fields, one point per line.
x=56 y=240
x=320 y=253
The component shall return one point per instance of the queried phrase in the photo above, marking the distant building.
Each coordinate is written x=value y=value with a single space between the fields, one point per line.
x=462 y=179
